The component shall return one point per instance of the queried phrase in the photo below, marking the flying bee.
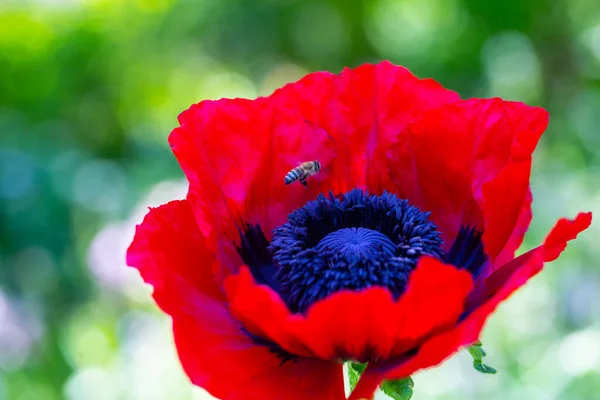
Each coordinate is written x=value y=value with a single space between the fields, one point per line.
x=302 y=172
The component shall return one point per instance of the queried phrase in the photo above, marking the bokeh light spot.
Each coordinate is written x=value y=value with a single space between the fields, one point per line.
x=99 y=185
x=217 y=84
x=17 y=174
x=318 y=30
x=279 y=76
x=415 y=30
x=91 y=384
x=20 y=329
x=512 y=67
x=584 y=117
x=580 y=352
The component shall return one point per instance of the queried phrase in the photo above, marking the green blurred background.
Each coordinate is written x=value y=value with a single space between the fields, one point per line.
x=90 y=89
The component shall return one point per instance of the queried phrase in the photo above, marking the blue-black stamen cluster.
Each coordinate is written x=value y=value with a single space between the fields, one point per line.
x=353 y=241
x=467 y=251
x=254 y=251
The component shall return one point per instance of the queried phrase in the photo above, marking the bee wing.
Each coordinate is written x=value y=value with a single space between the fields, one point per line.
x=325 y=173
x=296 y=162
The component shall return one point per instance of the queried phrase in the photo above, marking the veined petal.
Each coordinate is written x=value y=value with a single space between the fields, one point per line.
x=469 y=163
x=170 y=253
x=168 y=244
x=363 y=109
x=363 y=325
x=499 y=286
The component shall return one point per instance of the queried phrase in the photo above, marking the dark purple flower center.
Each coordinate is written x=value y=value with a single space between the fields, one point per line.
x=352 y=241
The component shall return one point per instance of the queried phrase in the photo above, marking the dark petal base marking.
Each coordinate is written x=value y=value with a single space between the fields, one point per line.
x=353 y=241
x=283 y=355
x=254 y=251
x=467 y=251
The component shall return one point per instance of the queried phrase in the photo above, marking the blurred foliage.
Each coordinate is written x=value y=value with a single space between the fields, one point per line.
x=89 y=90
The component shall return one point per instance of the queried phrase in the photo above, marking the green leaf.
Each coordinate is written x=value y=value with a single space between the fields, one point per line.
x=354 y=372
x=484 y=369
x=477 y=352
x=399 y=389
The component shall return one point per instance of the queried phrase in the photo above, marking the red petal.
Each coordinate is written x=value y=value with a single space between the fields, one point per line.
x=457 y=160
x=505 y=281
x=555 y=243
x=355 y=324
x=503 y=198
x=564 y=231
x=363 y=109
x=235 y=154
x=523 y=221
x=434 y=300
x=170 y=253
x=217 y=356
x=293 y=141
x=168 y=243
x=262 y=312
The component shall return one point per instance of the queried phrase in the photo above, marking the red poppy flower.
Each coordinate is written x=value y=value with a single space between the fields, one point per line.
x=394 y=254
